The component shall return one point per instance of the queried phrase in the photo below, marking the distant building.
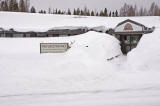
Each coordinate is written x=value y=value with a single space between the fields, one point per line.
x=66 y=31
x=129 y=33
x=55 y=32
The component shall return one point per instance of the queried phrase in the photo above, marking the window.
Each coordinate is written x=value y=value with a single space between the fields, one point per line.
x=117 y=36
x=134 y=39
x=127 y=39
x=128 y=48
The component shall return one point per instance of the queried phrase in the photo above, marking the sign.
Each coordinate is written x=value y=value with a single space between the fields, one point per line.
x=128 y=27
x=53 y=47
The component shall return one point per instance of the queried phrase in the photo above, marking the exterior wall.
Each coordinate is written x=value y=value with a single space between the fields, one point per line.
x=63 y=35
x=28 y=35
x=18 y=35
x=8 y=35
x=33 y=34
x=53 y=35
x=2 y=35
x=134 y=26
x=50 y=33
x=67 y=32
x=128 y=42
x=42 y=35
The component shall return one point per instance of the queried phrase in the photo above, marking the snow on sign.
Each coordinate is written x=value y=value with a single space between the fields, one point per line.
x=53 y=47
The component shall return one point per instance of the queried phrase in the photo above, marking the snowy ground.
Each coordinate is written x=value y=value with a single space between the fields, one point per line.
x=41 y=22
x=82 y=76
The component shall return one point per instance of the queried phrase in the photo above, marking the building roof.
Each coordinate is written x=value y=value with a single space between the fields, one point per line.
x=128 y=20
x=144 y=29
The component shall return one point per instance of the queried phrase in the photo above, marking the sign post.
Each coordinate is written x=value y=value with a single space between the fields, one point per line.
x=54 y=47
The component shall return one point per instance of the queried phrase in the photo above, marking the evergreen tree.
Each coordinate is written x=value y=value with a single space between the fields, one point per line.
x=85 y=10
x=78 y=11
x=33 y=10
x=135 y=10
x=81 y=13
x=92 y=13
x=101 y=13
x=151 y=10
x=11 y=5
x=27 y=4
x=69 y=12
x=110 y=14
x=42 y=11
x=59 y=12
x=2 y=6
x=63 y=12
x=49 y=10
x=56 y=12
x=113 y=14
x=53 y=11
x=88 y=13
x=124 y=10
x=141 y=11
x=131 y=11
x=15 y=6
x=145 y=12
x=116 y=13
x=97 y=14
x=156 y=10
x=22 y=7
x=74 y=12
x=6 y=5
x=105 y=12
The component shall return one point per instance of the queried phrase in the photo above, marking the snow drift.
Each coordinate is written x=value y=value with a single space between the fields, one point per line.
x=146 y=56
x=25 y=70
x=83 y=72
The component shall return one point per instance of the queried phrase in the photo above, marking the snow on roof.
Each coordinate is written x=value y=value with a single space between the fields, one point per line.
x=43 y=22
x=69 y=27
x=134 y=22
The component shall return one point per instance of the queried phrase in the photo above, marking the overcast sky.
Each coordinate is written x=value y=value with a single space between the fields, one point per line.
x=92 y=4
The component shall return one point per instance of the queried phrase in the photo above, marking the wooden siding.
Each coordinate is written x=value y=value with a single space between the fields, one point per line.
x=50 y=33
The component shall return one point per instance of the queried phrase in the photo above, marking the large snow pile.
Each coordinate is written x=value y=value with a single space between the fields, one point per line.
x=80 y=76
x=24 y=70
x=146 y=56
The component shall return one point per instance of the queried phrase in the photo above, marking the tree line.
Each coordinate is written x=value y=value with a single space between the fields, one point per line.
x=130 y=10
x=125 y=10
x=82 y=12
x=15 y=6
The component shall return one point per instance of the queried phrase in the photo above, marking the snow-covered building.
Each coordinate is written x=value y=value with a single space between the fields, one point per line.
x=54 y=32
x=129 y=33
x=66 y=31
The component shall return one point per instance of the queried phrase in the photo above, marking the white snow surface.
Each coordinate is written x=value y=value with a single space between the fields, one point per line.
x=82 y=76
x=44 y=22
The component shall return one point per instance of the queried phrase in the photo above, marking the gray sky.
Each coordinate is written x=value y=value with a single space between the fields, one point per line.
x=92 y=4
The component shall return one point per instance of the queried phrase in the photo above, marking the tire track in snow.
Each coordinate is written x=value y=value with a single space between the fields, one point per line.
x=84 y=92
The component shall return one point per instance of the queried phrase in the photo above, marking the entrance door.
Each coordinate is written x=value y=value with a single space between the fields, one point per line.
x=128 y=42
